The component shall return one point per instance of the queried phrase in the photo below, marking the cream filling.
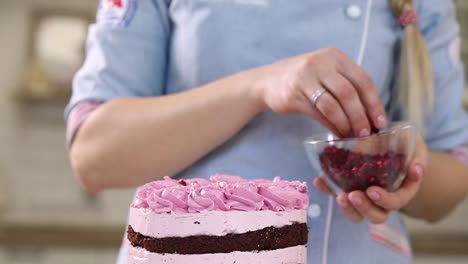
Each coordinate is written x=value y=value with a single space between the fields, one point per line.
x=211 y=223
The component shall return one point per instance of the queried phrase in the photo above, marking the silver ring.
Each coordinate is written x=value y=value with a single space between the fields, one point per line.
x=317 y=95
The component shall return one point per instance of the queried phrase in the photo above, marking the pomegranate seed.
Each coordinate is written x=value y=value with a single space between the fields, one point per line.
x=357 y=171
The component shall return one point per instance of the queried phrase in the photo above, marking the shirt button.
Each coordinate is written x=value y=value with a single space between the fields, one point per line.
x=313 y=211
x=354 y=12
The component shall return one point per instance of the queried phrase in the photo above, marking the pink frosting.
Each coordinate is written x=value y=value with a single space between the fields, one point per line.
x=221 y=193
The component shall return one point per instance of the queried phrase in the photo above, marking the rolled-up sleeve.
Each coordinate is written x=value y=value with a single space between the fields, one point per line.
x=461 y=154
x=123 y=59
x=447 y=127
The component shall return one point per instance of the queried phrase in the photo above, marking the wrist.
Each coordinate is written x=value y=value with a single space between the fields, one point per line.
x=252 y=89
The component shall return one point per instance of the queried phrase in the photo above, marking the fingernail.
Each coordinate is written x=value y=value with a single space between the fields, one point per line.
x=419 y=170
x=356 y=201
x=374 y=196
x=364 y=132
x=381 y=121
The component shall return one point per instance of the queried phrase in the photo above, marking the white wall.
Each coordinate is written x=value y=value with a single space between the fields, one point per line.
x=34 y=172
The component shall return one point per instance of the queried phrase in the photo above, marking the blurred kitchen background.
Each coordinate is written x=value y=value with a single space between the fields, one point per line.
x=44 y=215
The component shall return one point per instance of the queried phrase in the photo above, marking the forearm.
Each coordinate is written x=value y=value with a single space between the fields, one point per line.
x=444 y=186
x=128 y=142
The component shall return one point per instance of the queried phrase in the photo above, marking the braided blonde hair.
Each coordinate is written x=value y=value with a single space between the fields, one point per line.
x=416 y=80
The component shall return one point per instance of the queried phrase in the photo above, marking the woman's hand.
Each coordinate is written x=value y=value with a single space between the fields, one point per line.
x=350 y=107
x=376 y=204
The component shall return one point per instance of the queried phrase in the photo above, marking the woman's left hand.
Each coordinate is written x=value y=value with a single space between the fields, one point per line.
x=376 y=204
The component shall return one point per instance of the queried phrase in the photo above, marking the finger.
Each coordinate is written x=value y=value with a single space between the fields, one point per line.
x=410 y=186
x=420 y=153
x=305 y=106
x=398 y=199
x=331 y=110
x=418 y=150
x=365 y=87
x=320 y=183
x=348 y=209
x=366 y=208
x=349 y=100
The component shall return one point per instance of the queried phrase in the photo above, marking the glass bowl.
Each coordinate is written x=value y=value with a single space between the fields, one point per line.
x=351 y=164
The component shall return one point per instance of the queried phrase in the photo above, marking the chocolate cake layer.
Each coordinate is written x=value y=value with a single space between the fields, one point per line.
x=269 y=238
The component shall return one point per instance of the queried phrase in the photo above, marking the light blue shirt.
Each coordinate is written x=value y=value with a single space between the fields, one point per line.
x=164 y=47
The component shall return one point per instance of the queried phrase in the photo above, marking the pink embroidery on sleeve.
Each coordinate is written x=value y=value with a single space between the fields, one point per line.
x=79 y=114
x=461 y=154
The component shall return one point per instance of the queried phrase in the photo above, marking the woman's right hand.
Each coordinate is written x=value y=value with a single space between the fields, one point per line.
x=140 y=129
x=350 y=107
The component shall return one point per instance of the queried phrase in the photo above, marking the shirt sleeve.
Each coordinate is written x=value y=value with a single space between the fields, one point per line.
x=447 y=127
x=461 y=153
x=78 y=115
x=126 y=53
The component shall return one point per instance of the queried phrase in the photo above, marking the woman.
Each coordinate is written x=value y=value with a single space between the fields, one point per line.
x=194 y=87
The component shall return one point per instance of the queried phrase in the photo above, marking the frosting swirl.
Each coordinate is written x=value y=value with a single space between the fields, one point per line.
x=221 y=193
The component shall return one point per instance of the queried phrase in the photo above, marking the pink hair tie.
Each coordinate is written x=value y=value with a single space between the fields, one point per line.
x=408 y=17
